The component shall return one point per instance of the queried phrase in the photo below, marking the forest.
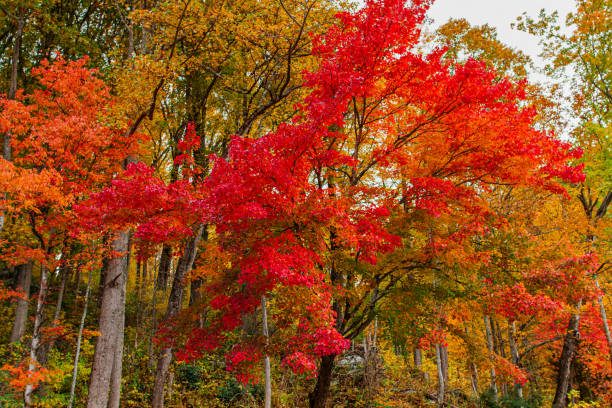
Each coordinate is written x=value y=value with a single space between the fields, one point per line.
x=303 y=203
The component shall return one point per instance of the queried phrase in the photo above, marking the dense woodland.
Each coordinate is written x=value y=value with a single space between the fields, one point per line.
x=302 y=203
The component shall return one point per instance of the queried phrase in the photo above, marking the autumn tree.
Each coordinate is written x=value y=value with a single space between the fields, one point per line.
x=376 y=111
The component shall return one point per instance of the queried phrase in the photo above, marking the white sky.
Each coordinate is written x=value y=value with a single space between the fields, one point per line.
x=500 y=14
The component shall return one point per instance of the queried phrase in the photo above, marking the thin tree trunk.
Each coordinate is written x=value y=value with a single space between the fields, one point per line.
x=570 y=344
x=500 y=341
x=77 y=282
x=140 y=281
x=494 y=337
x=474 y=378
x=153 y=320
x=15 y=65
x=418 y=358
x=60 y=297
x=43 y=352
x=267 y=379
x=23 y=282
x=604 y=318
x=196 y=286
x=440 y=370
x=514 y=354
x=116 y=374
x=6 y=145
x=164 y=266
x=490 y=347
x=175 y=302
x=318 y=396
x=75 y=369
x=102 y=282
x=444 y=360
x=111 y=312
x=418 y=363
x=56 y=315
x=36 y=334
x=474 y=375
x=145 y=273
x=501 y=351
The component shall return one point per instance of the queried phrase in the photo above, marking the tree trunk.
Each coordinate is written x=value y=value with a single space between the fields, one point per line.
x=267 y=380
x=474 y=379
x=111 y=312
x=115 y=384
x=15 y=63
x=604 y=318
x=474 y=375
x=318 y=396
x=490 y=347
x=56 y=315
x=116 y=373
x=75 y=369
x=174 y=306
x=36 y=334
x=77 y=282
x=196 y=286
x=6 y=145
x=139 y=283
x=440 y=370
x=164 y=266
x=418 y=358
x=60 y=296
x=153 y=320
x=163 y=365
x=514 y=353
x=570 y=344
x=501 y=351
x=444 y=360
x=43 y=352
x=23 y=281
x=102 y=282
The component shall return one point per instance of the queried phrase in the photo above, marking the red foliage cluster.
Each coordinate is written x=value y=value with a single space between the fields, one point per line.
x=446 y=129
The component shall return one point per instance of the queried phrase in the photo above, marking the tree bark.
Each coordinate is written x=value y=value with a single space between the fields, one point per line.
x=139 y=283
x=36 y=335
x=195 y=293
x=43 y=352
x=444 y=360
x=174 y=306
x=418 y=358
x=318 y=396
x=102 y=282
x=516 y=360
x=153 y=321
x=6 y=151
x=111 y=312
x=75 y=369
x=164 y=266
x=6 y=145
x=570 y=343
x=474 y=375
x=604 y=318
x=116 y=373
x=60 y=296
x=500 y=350
x=440 y=370
x=267 y=379
x=490 y=347
x=23 y=282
